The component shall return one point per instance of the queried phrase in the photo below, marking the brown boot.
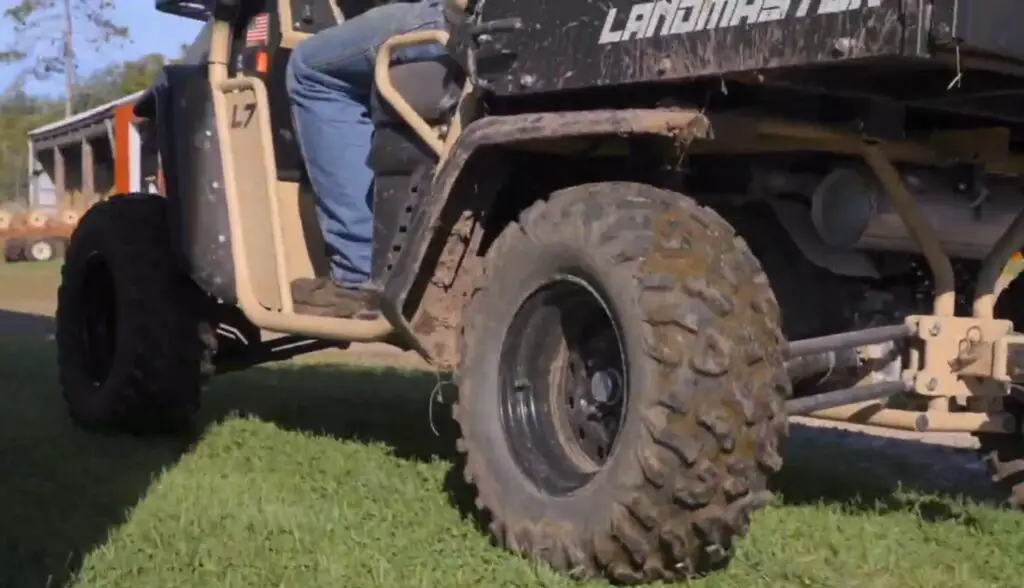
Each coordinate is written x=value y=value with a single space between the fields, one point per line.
x=322 y=297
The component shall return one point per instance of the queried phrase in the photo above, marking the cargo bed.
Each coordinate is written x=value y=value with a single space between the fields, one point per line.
x=947 y=55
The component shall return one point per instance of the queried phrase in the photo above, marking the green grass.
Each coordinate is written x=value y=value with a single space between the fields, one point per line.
x=28 y=288
x=316 y=475
x=47 y=272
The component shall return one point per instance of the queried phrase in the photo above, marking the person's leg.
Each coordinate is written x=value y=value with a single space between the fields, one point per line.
x=329 y=79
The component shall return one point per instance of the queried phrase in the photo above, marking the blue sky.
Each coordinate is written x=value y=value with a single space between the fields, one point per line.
x=151 y=32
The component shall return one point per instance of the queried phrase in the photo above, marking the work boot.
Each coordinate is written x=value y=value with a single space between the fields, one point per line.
x=322 y=297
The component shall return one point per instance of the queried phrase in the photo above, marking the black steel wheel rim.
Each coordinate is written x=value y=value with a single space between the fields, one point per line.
x=563 y=385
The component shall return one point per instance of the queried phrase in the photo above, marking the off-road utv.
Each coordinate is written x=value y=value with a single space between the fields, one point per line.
x=640 y=233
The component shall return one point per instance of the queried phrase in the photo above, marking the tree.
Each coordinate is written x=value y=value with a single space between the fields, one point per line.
x=19 y=113
x=48 y=32
x=118 y=80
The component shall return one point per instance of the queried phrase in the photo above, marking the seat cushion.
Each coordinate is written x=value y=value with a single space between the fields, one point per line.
x=425 y=85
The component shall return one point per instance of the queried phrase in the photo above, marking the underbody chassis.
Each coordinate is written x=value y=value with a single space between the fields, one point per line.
x=958 y=369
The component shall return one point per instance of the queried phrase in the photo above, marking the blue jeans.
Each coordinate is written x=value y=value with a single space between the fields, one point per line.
x=329 y=79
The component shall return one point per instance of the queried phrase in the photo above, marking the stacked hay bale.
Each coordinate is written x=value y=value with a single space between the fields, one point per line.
x=37 y=219
x=69 y=217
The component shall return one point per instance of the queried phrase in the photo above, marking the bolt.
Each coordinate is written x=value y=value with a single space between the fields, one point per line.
x=663 y=66
x=843 y=46
x=935 y=330
x=933 y=384
x=527 y=80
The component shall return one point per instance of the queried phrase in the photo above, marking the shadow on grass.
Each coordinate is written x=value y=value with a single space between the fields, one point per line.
x=868 y=473
x=24 y=323
x=856 y=471
x=405 y=410
x=62 y=491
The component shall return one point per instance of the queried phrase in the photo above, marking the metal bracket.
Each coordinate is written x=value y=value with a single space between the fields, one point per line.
x=959 y=356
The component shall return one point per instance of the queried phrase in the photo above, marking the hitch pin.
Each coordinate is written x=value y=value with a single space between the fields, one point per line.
x=967 y=349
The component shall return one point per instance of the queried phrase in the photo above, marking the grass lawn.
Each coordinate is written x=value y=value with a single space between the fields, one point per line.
x=310 y=475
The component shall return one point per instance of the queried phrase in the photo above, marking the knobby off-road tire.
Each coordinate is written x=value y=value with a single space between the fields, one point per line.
x=132 y=347
x=1004 y=459
x=1003 y=455
x=706 y=382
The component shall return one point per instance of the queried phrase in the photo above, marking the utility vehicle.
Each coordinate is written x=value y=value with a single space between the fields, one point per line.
x=641 y=234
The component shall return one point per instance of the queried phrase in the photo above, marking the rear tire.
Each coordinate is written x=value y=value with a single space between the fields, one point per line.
x=1003 y=454
x=703 y=386
x=133 y=348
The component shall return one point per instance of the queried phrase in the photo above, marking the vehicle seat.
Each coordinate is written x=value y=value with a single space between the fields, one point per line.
x=430 y=87
x=400 y=160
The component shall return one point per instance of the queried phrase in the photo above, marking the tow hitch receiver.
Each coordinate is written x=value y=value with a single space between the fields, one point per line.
x=963 y=356
x=957 y=373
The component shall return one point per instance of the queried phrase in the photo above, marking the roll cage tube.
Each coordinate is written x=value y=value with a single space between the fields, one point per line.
x=192 y=10
x=225 y=10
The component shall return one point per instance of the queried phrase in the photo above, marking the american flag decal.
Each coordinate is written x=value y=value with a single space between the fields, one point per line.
x=257 y=31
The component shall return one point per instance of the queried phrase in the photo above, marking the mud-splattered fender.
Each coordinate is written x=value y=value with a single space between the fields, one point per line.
x=455 y=189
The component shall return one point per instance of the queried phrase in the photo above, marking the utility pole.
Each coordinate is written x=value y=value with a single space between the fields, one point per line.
x=17 y=189
x=3 y=157
x=69 y=60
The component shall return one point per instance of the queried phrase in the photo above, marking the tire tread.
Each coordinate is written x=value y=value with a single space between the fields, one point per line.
x=706 y=454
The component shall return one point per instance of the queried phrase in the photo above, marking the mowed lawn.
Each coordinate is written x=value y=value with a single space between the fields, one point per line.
x=310 y=474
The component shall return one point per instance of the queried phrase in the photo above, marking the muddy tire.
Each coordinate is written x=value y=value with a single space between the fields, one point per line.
x=132 y=347
x=1004 y=459
x=1003 y=455
x=701 y=387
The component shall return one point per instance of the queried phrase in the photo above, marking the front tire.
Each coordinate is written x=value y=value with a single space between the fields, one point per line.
x=133 y=348
x=703 y=384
